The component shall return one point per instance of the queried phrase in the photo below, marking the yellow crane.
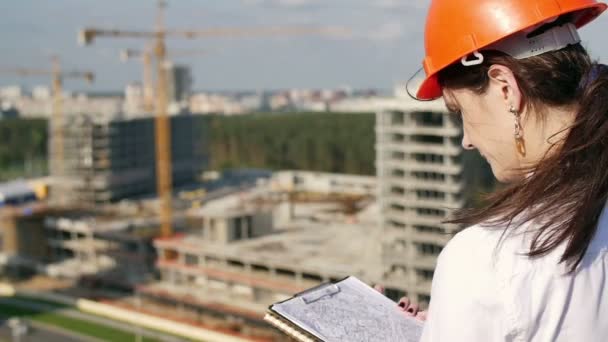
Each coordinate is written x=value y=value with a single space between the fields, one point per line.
x=162 y=124
x=56 y=122
x=146 y=57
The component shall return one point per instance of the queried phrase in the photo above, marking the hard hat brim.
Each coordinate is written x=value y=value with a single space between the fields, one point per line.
x=430 y=89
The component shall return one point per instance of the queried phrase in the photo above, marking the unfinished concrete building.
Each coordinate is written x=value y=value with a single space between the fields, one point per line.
x=110 y=245
x=260 y=246
x=115 y=249
x=420 y=177
x=324 y=183
x=23 y=243
x=105 y=159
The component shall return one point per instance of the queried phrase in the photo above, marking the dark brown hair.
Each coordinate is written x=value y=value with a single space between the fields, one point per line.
x=567 y=190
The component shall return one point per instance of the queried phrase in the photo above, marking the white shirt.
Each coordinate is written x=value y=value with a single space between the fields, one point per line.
x=484 y=292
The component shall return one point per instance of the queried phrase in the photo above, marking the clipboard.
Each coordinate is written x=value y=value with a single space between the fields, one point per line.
x=345 y=310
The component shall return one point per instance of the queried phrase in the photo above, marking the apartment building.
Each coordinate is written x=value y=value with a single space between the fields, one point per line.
x=420 y=176
x=104 y=160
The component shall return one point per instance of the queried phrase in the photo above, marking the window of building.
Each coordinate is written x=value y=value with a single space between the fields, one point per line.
x=430 y=194
x=212 y=261
x=424 y=274
x=312 y=277
x=397 y=207
x=298 y=180
x=398 y=173
x=429 y=229
x=428 y=249
x=428 y=119
x=398 y=155
x=424 y=299
x=397 y=190
x=236 y=263
x=396 y=224
x=398 y=270
x=429 y=176
x=428 y=158
x=237 y=228
x=430 y=212
x=397 y=118
x=190 y=259
x=285 y=273
x=456 y=141
x=260 y=268
x=399 y=245
x=428 y=139
x=455 y=119
x=394 y=294
x=249 y=226
x=397 y=137
x=456 y=159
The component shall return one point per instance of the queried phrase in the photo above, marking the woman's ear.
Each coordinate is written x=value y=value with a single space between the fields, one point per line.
x=503 y=79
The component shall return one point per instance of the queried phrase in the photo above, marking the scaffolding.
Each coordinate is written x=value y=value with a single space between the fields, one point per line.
x=110 y=159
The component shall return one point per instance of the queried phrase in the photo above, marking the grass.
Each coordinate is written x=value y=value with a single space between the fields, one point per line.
x=40 y=301
x=75 y=325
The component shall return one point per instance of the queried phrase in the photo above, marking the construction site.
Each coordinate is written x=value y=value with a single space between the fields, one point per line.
x=236 y=249
x=134 y=217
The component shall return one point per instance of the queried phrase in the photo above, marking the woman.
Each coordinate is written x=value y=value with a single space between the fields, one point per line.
x=533 y=264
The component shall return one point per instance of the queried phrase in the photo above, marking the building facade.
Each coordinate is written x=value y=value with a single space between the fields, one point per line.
x=420 y=177
x=103 y=161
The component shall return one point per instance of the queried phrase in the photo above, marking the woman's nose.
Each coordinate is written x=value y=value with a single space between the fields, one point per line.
x=466 y=143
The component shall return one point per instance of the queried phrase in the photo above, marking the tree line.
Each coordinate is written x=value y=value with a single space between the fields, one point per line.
x=23 y=148
x=328 y=142
x=325 y=142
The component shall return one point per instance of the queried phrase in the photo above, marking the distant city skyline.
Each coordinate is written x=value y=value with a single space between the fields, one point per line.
x=385 y=47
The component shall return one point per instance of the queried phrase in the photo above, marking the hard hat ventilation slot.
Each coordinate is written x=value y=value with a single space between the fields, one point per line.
x=478 y=59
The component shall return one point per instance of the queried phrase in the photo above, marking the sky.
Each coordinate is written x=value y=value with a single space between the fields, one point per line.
x=384 y=48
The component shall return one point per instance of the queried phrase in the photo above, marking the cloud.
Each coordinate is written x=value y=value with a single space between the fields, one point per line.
x=283 y=3
x=401 y=4
x=384 y=33
x=387 y=32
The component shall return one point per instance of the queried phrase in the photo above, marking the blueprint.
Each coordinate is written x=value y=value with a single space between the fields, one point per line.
x=350 y=311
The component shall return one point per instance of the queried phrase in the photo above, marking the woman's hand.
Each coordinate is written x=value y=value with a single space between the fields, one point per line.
x=409 y=309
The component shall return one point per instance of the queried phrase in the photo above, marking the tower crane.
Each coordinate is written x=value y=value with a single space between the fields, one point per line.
x=57 y=76
x=146 y=57
x=162 y=125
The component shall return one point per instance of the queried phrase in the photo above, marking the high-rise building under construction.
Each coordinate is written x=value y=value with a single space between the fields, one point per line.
x=420 y=168
x=108 y=159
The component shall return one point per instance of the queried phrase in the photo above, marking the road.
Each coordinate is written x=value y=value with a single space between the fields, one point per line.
x=73 y=313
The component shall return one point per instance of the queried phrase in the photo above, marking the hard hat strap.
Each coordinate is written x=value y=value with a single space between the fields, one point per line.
x=521 y=46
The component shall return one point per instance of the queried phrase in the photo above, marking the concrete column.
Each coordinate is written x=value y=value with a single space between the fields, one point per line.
x=243 y=229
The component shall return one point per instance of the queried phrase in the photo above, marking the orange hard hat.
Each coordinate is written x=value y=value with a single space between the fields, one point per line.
x=456 y=29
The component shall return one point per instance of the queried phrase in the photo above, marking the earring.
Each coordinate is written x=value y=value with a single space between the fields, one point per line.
x=519 y=137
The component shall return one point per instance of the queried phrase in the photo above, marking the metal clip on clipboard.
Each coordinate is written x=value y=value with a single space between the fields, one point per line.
x=327 y=291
